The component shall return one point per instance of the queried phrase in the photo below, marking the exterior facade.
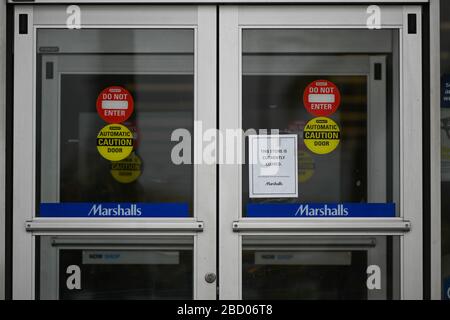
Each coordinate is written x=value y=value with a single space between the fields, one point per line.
x=224 y=150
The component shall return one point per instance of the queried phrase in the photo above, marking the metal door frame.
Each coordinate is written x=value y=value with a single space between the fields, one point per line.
x=25 y=225
x=233 y=226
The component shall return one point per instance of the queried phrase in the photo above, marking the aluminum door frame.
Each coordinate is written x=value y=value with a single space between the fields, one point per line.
x=232 y=20
x=25 y=225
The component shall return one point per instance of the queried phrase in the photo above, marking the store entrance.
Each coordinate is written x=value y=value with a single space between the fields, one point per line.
x=316 y=197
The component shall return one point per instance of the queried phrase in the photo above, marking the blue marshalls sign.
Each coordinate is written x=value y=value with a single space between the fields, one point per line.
x=328 y=210
x=114 y=210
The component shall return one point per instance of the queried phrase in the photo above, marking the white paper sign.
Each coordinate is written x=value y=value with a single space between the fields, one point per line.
x=273 y=166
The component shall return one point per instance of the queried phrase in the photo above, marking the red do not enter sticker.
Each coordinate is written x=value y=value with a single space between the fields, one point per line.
x=321 y=98
x=115 y=104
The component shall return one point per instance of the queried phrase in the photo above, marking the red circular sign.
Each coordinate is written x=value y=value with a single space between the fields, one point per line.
x=115 y=104
x=321 y=98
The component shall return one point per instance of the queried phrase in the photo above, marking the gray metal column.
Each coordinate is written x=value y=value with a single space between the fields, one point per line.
x=435 y=150
x=2 y=143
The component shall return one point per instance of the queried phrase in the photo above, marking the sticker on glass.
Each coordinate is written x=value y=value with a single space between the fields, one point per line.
x=115 y=104
x=273 y=166
x=321 y=135
x=127 y=170
x=321 y=98
x=115 y=142
x=132 y=125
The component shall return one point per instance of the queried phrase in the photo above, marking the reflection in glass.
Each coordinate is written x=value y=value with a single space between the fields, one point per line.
x=156 y=66
x=280 y=108
x=277 y=67
x=98 y=268
x=320 y=268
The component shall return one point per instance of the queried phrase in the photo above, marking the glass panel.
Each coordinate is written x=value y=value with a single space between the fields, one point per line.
x=141 y=79
x=320 y=268
x=117 y=269
x=291 y=81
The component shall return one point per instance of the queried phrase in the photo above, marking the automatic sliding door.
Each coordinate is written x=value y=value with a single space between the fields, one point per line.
x=321 y=210
x=111 y=207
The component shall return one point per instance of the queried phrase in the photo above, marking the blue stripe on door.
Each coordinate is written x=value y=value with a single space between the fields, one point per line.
x=329 y=210
x=114 y=210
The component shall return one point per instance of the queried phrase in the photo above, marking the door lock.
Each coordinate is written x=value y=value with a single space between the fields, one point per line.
x=210 y=277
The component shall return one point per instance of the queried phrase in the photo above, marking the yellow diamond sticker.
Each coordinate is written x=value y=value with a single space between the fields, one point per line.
x=321 y=135
x=126 y=170
x=115 y=142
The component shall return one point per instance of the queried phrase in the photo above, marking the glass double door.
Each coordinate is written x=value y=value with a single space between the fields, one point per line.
x=149 y=165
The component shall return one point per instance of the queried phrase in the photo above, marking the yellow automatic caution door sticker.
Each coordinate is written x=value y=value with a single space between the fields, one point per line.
x=321 y=135
x=115 y=142
x=127 y=170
